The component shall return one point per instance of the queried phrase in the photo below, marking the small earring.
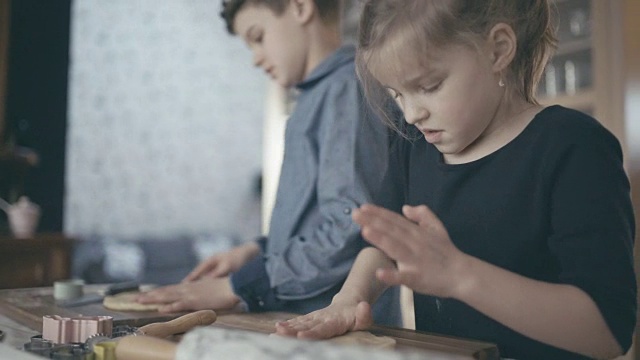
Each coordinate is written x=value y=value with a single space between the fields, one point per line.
x=501 y=83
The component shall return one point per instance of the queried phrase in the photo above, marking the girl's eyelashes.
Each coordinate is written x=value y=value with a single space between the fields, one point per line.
x=420 y=88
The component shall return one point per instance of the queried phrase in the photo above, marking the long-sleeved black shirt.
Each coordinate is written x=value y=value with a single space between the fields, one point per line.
x=552 y=205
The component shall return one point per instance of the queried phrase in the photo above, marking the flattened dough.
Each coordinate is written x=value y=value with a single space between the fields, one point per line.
x=365 y=338
x=126 y=301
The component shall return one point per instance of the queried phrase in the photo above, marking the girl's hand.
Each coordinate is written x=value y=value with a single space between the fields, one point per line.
x=427 y=261
x=207 y=293
x=334 y=320
x=223 y=264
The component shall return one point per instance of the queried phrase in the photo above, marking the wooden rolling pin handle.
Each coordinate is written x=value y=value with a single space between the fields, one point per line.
x=145 y=348
x=180 y=325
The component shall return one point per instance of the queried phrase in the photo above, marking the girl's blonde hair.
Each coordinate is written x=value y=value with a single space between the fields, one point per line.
x=434 y=24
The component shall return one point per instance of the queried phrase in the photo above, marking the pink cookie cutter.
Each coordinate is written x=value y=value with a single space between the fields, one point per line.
x=63 y=330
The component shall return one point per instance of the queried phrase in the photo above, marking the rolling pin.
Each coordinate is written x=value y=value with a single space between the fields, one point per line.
x=148 y=342
x=179 y=325
x=145 y=348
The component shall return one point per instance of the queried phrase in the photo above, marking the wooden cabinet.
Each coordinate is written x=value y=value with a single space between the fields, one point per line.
x=34 y=262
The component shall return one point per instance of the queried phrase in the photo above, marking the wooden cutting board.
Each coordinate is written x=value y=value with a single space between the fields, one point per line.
x=405 y=339
x=28 y=306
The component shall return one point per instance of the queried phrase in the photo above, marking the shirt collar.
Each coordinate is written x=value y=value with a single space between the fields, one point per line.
x=339 y=57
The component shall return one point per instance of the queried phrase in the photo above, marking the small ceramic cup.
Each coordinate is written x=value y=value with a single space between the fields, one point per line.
x=23 y=218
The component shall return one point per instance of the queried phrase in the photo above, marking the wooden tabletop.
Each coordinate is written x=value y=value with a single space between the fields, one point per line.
x=27 y=306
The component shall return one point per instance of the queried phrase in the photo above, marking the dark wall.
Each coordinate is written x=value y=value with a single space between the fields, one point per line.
x=36 y=108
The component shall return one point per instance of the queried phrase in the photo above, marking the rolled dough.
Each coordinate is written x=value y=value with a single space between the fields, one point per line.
x=126 y=301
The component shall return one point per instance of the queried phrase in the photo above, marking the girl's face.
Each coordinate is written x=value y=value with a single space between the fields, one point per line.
x=451 y=97
x=276 y=41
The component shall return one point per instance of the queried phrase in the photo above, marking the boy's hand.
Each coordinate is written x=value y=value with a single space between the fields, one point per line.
x=334 y=320
x=207 y=293
x=427 y=260
x=224 y=263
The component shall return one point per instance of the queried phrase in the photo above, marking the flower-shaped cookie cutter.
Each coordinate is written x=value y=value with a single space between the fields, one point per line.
x=64 y=330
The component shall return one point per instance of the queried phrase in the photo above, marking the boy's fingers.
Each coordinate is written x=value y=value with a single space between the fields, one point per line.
x=197 y=272
x=190 y=277
x=172 y=307
x=220 y=271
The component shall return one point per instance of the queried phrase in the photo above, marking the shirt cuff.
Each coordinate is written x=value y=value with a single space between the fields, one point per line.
x=262 y=243
x=251 y=284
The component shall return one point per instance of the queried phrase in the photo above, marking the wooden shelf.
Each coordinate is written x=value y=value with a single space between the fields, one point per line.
x=574 y=46
x=583 y=100
x=34 y=262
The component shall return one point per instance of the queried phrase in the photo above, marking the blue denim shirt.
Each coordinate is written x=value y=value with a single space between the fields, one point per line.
x=335 y=158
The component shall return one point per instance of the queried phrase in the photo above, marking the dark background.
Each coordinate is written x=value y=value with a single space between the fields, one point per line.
x=36 y=99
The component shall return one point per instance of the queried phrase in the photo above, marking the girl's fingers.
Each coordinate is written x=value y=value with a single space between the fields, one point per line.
x=387 y=243
x=301 y=328
x=284 y=329
x=421 y=215
x=318 y=332
x=387 y=230
x=385 y=221
x=368 y=211
x=389 y=276
x=364 y=319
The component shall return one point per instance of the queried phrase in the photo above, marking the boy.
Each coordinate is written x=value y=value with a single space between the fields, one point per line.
x=335 y=157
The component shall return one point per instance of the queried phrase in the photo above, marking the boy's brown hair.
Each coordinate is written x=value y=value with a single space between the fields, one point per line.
x=329 y=9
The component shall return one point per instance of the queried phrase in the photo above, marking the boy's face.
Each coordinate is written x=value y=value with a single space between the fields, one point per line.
x=277 y=42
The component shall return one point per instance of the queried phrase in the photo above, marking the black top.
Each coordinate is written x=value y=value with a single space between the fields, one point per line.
x=552 y=205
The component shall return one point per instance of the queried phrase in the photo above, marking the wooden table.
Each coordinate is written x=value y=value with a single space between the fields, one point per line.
x=25 y=307
x=34 y=262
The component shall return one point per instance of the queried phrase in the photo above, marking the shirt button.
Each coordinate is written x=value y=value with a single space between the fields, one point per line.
x=347 y=211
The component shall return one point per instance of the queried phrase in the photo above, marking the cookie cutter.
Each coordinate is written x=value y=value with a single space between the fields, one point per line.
x=45 y=348
x=63 y=330
x=39 y=346
x=72 y=352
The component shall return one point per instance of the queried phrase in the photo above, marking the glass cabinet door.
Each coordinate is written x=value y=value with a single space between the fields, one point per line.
x=568 y=78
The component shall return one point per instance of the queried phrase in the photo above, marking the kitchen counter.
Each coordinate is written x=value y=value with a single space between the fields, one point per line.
x=21 y=312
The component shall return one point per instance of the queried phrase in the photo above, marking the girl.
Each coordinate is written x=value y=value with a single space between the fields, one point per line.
x=511 y=222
